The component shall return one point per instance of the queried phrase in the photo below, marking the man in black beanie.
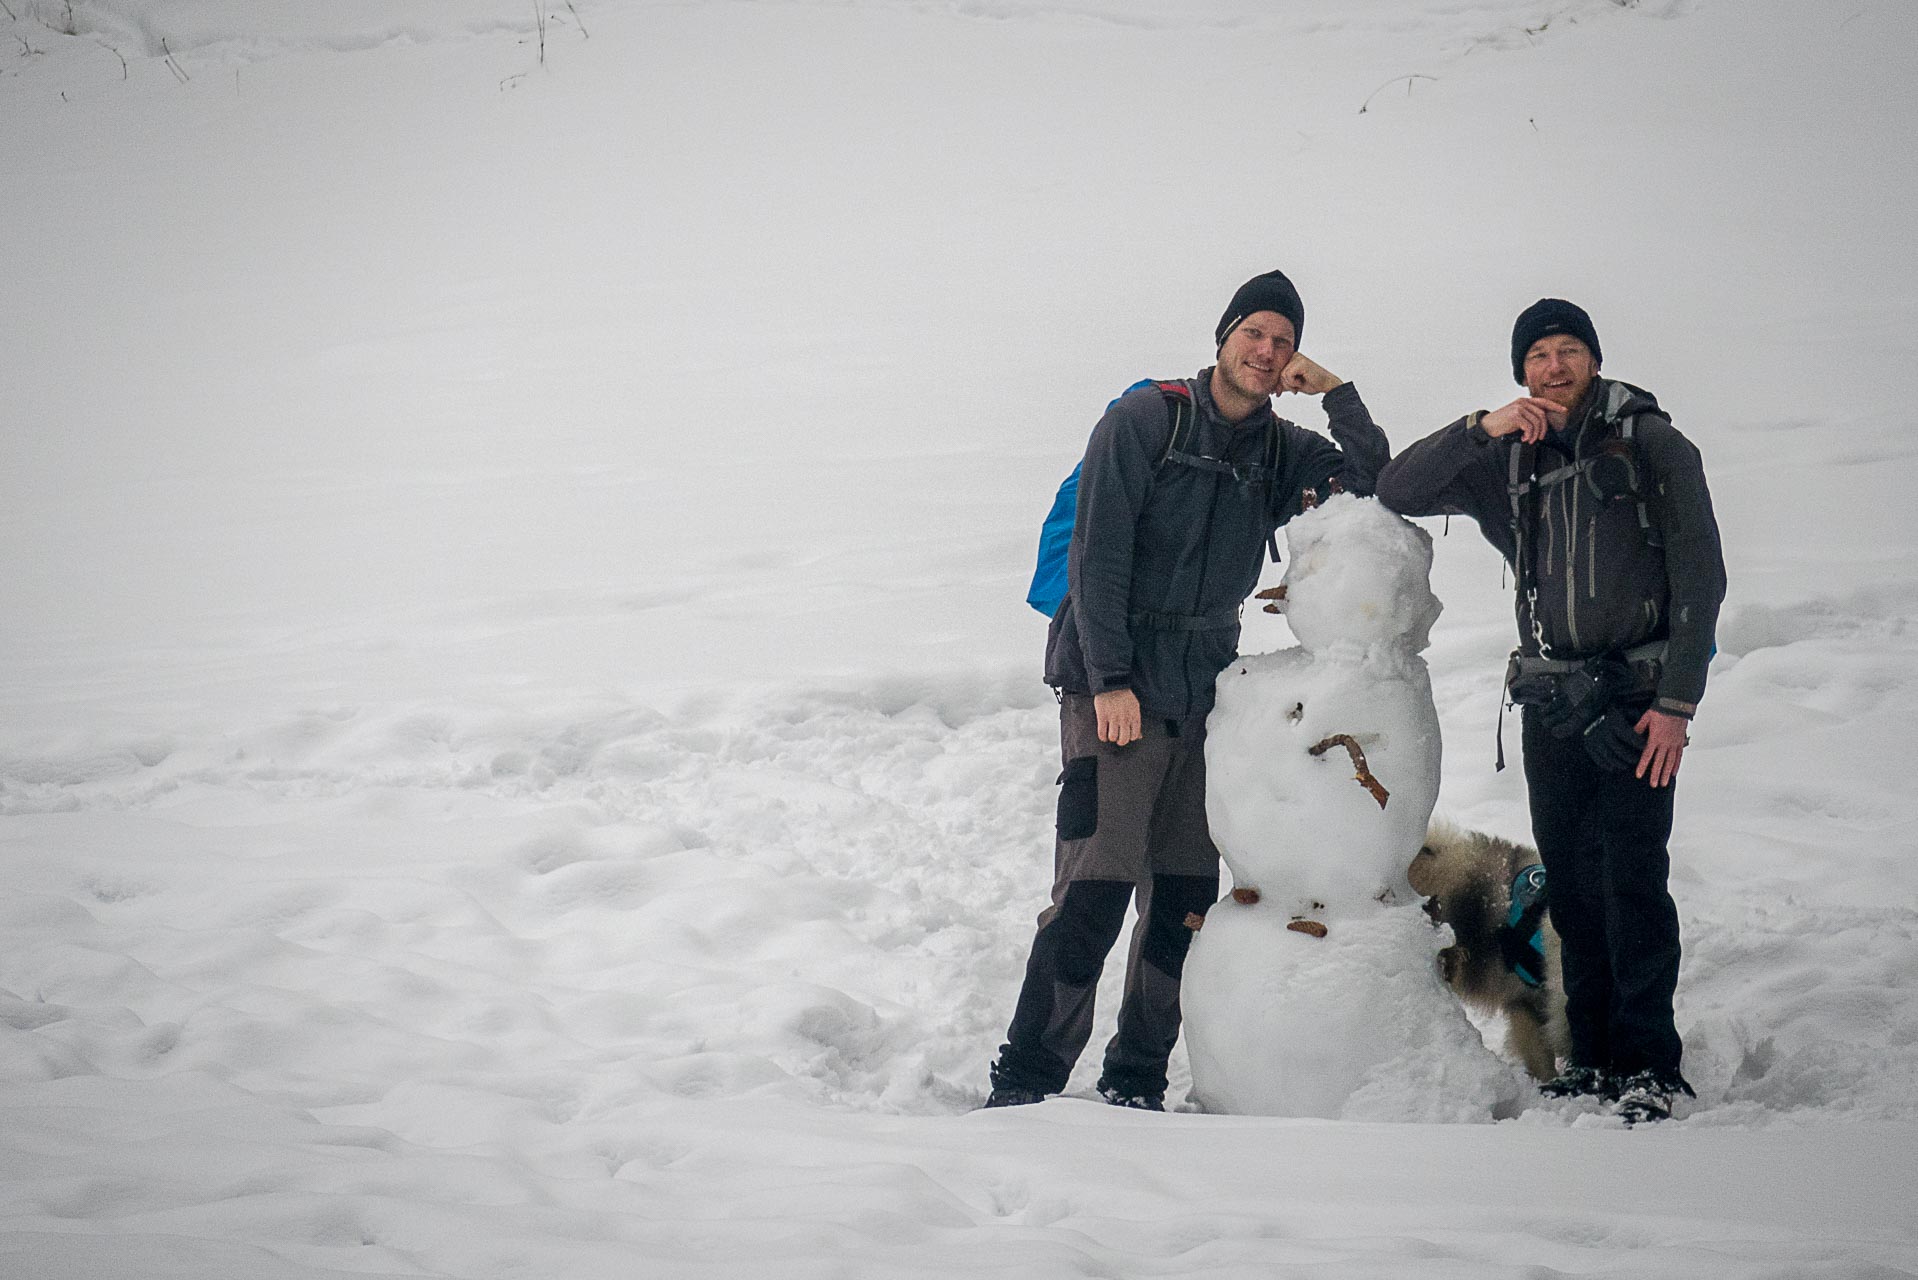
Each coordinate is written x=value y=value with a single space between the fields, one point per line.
x=1600 y=506
x=1547 y=318
x=1183 y=486
x=1269 y=292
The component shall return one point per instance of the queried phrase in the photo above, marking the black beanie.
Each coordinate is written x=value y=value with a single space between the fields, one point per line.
x=1269 y=292
x=1543 y=319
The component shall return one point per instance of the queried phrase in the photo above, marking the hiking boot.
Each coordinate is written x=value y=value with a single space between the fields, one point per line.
x=1648 y=1097
x=1006 y=1095
x=1580 y=1082
x=1137 y=1101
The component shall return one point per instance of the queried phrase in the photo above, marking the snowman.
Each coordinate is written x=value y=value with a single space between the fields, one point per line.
x=1312 y=989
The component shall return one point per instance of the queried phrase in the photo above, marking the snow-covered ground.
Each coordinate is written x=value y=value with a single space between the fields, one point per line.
x=521 y=749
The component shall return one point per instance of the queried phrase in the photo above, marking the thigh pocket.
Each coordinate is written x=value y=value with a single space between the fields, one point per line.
x=1079 y=798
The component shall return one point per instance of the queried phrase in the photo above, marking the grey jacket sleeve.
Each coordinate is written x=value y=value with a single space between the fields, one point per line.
x=1458 y=470
x=1312 y=461
x=1114 y=481
x=1681 y=506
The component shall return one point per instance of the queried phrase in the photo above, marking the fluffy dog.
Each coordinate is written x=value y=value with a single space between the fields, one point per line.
x=1466 y=878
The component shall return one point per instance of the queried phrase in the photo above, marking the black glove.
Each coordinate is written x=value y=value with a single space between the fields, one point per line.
x=1612 y=742
x=1583 y=695
x=1563 y=713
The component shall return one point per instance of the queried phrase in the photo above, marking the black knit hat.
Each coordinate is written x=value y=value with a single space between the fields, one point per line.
x=1269 y=292
x=1543 y=319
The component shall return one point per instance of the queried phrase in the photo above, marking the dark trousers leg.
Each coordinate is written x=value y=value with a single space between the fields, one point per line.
x=1641 y=924
x=1603 y=839
x=1561 y=793
x=1053 y=1019
x=1149 y=1016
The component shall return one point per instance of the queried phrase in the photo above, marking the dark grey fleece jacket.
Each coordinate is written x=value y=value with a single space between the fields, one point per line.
x=1603 y=585
x=1155 y=542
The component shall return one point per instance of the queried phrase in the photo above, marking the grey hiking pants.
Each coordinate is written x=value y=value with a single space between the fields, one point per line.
x=1131 y=821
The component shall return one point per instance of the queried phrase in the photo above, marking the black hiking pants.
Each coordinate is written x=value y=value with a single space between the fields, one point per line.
x=1602 y=837
x=1131 y=822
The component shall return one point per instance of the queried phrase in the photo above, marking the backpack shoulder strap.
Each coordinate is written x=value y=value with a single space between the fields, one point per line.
x=1618 y=395
x=1628 y=432
x=1178 y=402
x=1264 y=474
x=1521 y=463
x=1272 y=449
x=1184 y=416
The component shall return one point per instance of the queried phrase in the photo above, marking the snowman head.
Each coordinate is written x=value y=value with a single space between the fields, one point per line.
x=1359 y=577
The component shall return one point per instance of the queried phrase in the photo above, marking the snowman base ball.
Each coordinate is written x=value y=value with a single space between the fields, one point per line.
x=1354 y=1025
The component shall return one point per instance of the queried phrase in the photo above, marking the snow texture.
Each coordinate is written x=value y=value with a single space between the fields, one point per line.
x=521 y=749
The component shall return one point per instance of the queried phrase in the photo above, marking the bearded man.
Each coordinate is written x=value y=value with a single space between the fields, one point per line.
x=1599 y=505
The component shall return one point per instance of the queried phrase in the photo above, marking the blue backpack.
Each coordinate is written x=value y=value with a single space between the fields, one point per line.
x=1048 y=590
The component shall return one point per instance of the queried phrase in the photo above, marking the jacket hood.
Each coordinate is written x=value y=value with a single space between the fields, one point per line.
x=1615 y=400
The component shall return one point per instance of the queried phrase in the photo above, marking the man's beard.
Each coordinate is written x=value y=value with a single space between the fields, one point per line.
x=1236 y=377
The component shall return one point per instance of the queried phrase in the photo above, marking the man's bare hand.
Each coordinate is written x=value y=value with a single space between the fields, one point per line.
x=1304 y=375
x=1665 y=739
x=1120 y=720
x=1528 y=416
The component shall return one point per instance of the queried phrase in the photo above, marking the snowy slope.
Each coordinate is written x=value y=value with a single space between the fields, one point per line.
x=520 y=743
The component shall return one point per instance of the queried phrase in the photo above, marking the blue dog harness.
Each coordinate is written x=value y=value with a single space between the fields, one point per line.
x=1523 y=938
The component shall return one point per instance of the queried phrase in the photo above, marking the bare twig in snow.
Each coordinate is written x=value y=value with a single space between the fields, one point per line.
x=584 y=33
x=1367 y=104
x=116 y=53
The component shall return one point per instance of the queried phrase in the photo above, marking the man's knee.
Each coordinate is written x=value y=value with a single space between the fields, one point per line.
x=1168 y=935
x=1086 y=924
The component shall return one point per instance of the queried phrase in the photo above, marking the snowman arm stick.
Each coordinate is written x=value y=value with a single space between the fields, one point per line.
x=1364 y=777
